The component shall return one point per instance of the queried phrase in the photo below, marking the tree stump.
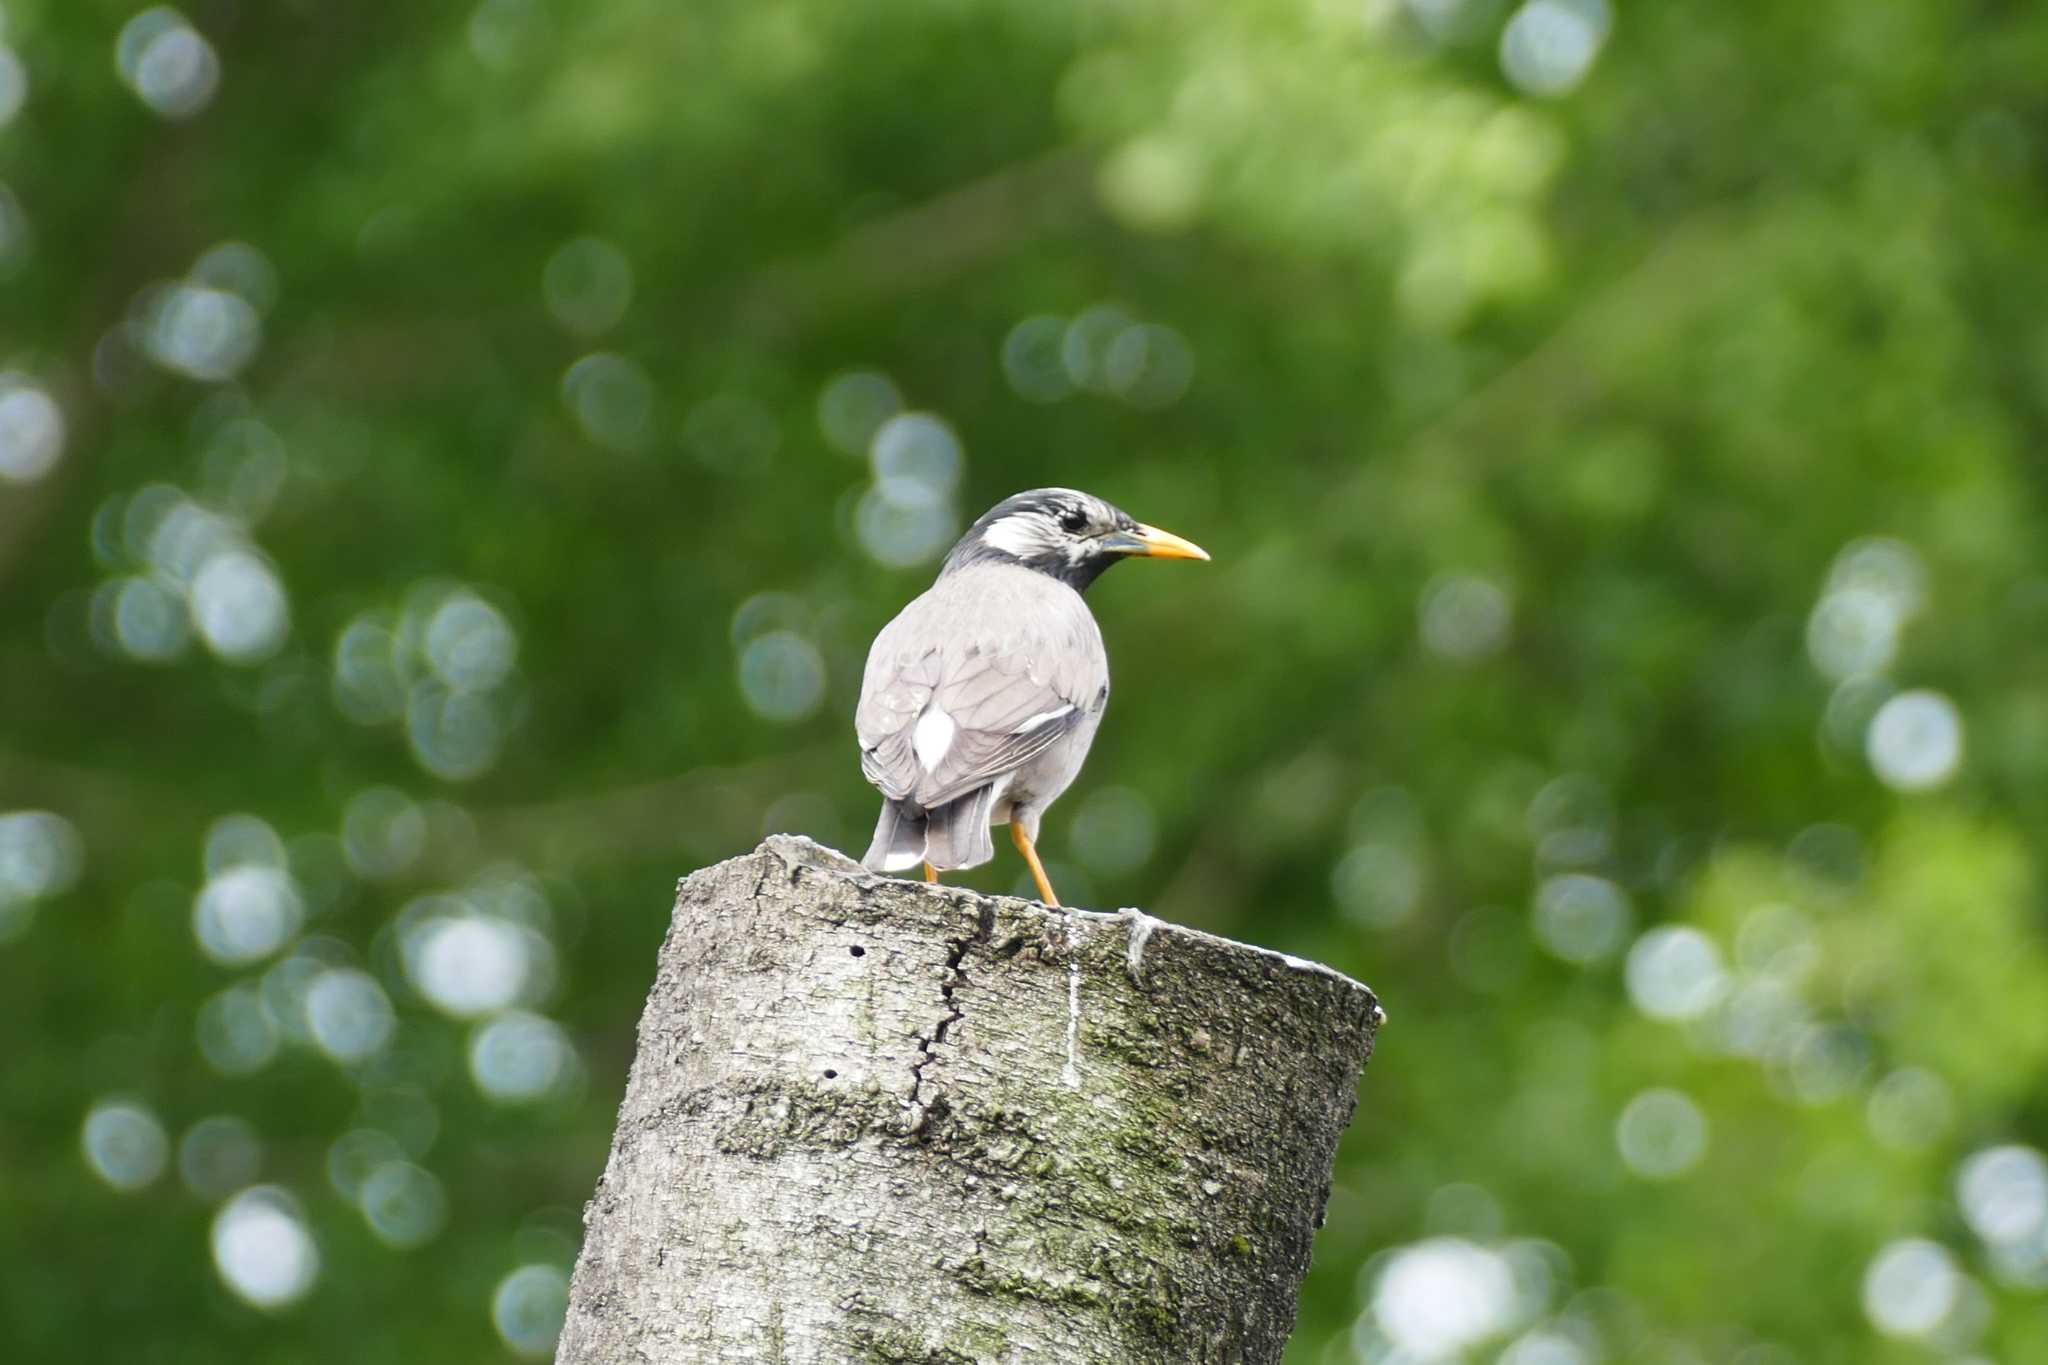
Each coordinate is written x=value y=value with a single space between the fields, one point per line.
x=874 y=1120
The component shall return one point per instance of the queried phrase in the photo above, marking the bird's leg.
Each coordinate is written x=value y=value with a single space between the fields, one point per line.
x=1024 y=846
x=931 y=874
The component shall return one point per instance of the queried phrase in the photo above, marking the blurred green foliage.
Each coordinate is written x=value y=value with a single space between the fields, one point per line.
x=1619 y=435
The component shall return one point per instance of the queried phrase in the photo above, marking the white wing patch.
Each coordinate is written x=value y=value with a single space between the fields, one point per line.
x=932 y=737
x=1043 y=718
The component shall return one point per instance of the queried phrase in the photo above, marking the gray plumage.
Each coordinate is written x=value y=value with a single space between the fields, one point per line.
x=981 y=697
x=978 y=705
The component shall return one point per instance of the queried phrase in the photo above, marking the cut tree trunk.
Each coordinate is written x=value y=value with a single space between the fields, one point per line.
x=874 y=1120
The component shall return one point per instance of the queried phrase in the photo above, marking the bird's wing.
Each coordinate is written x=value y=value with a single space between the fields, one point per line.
x=960 y=691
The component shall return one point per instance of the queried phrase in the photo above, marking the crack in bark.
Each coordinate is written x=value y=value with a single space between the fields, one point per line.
x=954 y=978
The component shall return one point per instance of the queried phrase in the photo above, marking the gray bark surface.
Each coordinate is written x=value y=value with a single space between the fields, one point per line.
x=872 y=1120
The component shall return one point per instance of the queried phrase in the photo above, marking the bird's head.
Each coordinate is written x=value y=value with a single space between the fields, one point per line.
x=1068 y=535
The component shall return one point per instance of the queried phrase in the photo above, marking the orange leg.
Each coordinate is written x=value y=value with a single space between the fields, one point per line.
x=931 y=874
x=1023 y=843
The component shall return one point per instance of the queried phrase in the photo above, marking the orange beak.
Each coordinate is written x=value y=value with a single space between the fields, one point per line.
x=1149 y=542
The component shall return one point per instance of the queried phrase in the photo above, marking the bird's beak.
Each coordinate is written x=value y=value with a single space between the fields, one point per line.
x=1152 y=543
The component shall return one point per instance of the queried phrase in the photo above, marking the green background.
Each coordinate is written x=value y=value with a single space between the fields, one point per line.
x=1619 y=434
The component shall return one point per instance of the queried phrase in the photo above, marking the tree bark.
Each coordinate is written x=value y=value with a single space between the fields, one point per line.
x=872 y=1120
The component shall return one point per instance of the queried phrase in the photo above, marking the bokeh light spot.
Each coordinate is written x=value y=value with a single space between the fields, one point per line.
x=1884 y=567
x=519 y=1056
x=1776 y=940
x=240 y=608
x=1465 y=618
x=1910 y=1288
x=41 y=856
x=766 y=611
x=1149 y=366
x=125 y=1144
x=151 y=621
x=403 y=1204
x=455 y=736
x=1911 y=1108
x=588 y=285
x=1084 y=349
x=467 y=965
x=1674 y=972
x=176 y=535
x=369 y=686
x=240 y=269
x=852 y=407
x=1032 y=361
x=1377 y=884
x=1824 y=1062
x=1437 y=1298
x=348 y=1014
x=263 y=1249
x=383 y=833
x=919 y=448
x=1757 y=1019
x=782 y=676
x=245 y=913
x=1852 y=632
x=218 y=1156
x=902 y=524
x=242 y=840
x=358 y=1154
x=245 y=468
x=1548 y=46
x=237 y=1032
x=31 y=430
x=1571 y=821
x=1581 y=918
x=1154 y=184
x=166 y=62
x=1845 y=721
x=612 y=399
x=469 y=643
x=1661 y=1134
x=202 y=333
x=528 y=1308
x=1915 y=742
x=2003 y=1192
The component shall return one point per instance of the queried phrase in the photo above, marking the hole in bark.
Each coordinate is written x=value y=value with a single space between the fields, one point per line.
x=830 y=1074
x=858 y=951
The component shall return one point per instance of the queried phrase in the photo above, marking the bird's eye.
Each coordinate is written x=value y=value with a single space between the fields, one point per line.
x=1073 y=519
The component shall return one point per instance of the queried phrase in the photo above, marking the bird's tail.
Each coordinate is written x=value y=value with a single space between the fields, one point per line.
x=899 y=839
x=956 y=834
x=949 y=836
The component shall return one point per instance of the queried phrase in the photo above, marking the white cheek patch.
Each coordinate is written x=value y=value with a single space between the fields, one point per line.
x=932 y=737
x=1019 y=534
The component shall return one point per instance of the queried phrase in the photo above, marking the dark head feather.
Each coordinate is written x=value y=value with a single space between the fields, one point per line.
x=1060 y=532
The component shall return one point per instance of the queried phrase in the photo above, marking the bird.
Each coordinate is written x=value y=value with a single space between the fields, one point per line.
x=981 y=697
